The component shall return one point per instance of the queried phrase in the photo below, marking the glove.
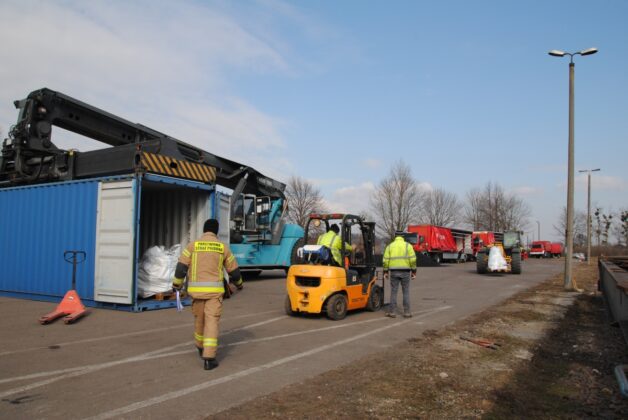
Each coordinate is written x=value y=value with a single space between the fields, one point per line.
x=177 y=284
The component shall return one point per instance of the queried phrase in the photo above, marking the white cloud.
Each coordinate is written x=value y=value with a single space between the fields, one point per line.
x=601 y=182
x=356 y=198
x=527 y=190
x=323 y=182
x=125 y=50
x=608 y=182
x=372 y=163
x=425 y=186
x=164 y=65
x=352 y=199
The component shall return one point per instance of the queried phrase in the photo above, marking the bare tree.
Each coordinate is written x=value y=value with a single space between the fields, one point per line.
x=473 y=209
x=603 y=223
x=608 y=222
x=303 y=199
x=365 y=216
x=598 y=226
x=621 y=229
x=492 y=208
x=396 y=201
x=515 y=213
x=441 y=208
x=579 y=226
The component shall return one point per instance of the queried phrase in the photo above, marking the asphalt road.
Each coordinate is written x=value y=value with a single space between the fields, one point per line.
x=115 y=364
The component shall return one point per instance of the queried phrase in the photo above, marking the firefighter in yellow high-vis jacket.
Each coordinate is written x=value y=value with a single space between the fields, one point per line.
x=202 y=261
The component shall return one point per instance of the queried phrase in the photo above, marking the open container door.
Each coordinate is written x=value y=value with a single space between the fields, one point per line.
x=171 y=212
x=135 y=215
x=221 y=209
x=115 y=242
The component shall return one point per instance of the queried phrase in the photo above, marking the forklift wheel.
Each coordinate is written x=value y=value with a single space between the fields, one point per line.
x=376 y=299
x=336 y=307
x=288 y=306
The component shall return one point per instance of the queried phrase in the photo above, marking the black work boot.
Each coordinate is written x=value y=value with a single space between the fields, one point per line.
x=211 y=364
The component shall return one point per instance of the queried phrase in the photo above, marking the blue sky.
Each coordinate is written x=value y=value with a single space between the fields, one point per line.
x=337 y=91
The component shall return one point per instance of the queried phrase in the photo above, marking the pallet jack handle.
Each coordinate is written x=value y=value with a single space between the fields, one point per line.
x=70 y=308
x=73 y=258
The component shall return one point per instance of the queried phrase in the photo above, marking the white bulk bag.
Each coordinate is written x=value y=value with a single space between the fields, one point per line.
x=496 y=260
x=157 y=270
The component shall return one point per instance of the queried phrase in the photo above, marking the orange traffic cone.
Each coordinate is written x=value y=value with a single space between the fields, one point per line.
x=71 y=308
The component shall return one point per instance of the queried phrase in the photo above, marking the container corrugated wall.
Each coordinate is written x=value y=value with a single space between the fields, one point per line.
x=171 y=215
x=37 y=224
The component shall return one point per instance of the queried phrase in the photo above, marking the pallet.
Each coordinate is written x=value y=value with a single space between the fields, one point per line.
x=169 y=296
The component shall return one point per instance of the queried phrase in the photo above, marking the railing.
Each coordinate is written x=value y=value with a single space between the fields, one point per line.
x=613 y=283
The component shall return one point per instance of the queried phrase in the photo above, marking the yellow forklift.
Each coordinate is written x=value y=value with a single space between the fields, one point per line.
x=317 y=285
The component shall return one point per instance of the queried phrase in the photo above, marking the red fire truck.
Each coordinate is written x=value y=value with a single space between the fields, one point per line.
x=541 y=249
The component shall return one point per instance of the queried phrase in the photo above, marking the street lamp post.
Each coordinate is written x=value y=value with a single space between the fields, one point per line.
x=589 y=212
x=539 y=229
x=568 y=283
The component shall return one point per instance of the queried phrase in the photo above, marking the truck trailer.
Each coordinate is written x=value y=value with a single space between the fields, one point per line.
x=557 y=249
x=464 y=243
x=438 y=242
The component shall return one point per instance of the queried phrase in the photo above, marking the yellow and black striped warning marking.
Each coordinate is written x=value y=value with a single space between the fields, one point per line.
x=168 y=166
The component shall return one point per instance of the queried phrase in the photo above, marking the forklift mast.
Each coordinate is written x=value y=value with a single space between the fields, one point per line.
x=29 y=155
x=346 y=221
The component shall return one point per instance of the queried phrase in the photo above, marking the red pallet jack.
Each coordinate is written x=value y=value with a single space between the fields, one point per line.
x=71 y=308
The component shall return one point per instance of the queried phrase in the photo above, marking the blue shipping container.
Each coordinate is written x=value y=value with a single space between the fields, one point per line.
x=114 y=220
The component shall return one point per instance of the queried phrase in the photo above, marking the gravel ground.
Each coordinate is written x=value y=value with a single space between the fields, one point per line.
x=553 y=357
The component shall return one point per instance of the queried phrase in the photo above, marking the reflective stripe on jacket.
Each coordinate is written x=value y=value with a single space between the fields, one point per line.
x=399 y=255
x=205 y=259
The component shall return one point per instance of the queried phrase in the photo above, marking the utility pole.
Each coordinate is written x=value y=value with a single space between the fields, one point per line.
x=589 y=221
